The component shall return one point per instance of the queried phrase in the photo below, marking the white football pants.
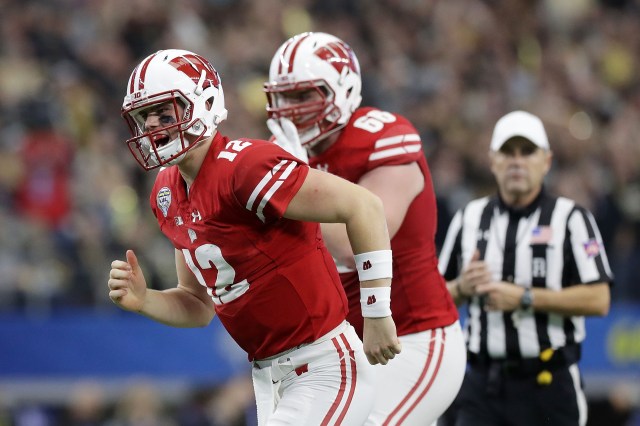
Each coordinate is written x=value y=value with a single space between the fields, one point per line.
x=420 y=383
x=328 y=382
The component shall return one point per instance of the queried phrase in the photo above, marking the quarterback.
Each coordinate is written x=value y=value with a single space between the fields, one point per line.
x=242 y=215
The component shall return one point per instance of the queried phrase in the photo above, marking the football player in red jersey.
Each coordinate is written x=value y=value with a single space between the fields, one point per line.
x=242 y=215
x=314 y=99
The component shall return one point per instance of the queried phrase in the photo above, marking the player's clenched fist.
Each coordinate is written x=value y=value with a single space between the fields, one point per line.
x=380 y=340
x=127 y=286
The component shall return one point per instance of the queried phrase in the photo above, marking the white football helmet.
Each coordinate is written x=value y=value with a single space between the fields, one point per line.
x=321 y=62
x=183 y=78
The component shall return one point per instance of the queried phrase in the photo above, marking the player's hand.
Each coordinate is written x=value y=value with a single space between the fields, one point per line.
x=287 y=137
x=127 y=286
x=380 y=340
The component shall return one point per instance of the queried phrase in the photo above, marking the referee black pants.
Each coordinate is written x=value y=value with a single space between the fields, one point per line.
x=492 y=397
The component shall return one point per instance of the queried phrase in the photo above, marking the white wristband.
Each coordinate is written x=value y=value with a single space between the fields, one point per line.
x=374 y=265
x=375 y=302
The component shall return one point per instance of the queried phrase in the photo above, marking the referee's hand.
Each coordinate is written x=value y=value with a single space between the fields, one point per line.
x=500 y=296
x=475 y=274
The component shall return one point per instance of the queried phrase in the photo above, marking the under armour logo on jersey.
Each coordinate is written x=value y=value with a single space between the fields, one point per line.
x=195 y=216
x=371 y=300
x=366 y=265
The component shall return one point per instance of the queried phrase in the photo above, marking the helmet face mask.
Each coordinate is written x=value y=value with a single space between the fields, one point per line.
x=283 y=101
x=189 y=87
x=319 y=62
x=167 y=144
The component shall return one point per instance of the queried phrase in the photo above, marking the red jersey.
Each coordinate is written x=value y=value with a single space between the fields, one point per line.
x=274 y=283
x=419 y=297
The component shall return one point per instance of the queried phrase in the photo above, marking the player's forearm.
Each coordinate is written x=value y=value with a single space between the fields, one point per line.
x=177 y=307
x=366 y=224
x=580 y=300
x=369 y=238
x=336 y=239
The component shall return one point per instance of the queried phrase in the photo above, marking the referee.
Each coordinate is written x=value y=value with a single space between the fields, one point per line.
x=531 y=266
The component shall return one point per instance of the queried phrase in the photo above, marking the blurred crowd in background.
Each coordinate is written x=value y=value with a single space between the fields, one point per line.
x=72 y=198
x=139 y=403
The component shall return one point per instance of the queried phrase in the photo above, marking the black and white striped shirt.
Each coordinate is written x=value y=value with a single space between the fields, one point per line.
x=554 y=243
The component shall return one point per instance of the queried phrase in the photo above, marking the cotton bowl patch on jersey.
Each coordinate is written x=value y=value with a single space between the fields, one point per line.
x=163 y=200
x=592 y=248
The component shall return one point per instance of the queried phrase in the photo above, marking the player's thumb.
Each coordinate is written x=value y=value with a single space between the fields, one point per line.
x=290 y=130
x=276 y=130
x=132 y=260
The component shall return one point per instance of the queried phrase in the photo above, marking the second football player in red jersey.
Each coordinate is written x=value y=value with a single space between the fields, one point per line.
x=240 y=214
x=314 y=108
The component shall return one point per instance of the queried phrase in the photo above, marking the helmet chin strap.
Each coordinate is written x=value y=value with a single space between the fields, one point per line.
x=188 y=144
x=174 y=142
x=197 y=130
x=314 y=132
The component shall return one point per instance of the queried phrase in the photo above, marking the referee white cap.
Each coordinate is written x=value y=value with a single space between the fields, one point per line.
x=519 y=123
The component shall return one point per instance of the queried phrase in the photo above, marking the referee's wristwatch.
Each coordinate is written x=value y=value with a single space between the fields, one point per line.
x=526 y=301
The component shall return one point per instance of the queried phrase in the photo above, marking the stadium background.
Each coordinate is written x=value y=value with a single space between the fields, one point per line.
x=72 y=198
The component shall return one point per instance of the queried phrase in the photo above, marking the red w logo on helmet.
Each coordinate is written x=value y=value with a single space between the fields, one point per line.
x=339 y=55
x=193 y=65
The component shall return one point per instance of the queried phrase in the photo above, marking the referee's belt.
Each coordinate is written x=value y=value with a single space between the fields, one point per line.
x=549 y=359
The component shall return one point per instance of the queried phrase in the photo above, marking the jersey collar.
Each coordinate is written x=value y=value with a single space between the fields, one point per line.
x=522 y=211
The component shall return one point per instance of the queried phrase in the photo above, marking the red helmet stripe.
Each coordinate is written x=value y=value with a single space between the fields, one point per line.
x=292 y=56
x=143 y=71
x=132 y=79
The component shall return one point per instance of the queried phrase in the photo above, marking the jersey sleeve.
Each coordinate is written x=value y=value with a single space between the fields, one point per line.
x=588 y=248
x=396 y=144
x=153 y=203
x=448 y=260
x=266 y=180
